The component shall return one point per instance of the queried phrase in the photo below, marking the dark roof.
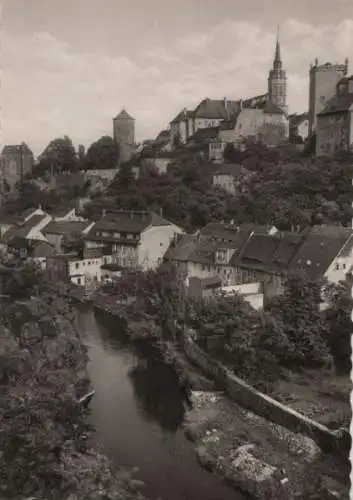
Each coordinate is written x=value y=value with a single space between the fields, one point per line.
x=216 y=109
x=65 y=227
x=164 y=135
x=126 y=222
x=28 y=212
x=272 y=108
x=13 y=150
x=269 y=253
x=21 y=242
x=234 y=169
x=182 y=250
x=22 y=229
x=211 y=282
x=123 y=115
x=338 y=104
x=203 y=134
x=61 y=211
x=319 y=250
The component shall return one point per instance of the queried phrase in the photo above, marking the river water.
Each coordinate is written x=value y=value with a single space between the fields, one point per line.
x=137 y=411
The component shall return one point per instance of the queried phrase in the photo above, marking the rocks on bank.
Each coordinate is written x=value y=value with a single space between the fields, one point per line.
x=258 y=457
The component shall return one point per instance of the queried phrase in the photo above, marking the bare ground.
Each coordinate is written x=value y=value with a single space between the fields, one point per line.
x=259 y=457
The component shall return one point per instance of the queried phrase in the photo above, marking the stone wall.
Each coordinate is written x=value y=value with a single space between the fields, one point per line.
x=265 y=406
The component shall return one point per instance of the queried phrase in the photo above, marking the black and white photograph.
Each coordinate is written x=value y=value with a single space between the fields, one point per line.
x=176 y=249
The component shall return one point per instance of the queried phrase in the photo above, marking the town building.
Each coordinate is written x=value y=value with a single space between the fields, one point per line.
x=61 y=232
x=334 y=130
x=30 y=249
x=134 y=239
x=16 y=162
x=264 y=115
x=69 y=268
x=323 y=79
x=29 y=225
x=124 y=135
x=229 y=177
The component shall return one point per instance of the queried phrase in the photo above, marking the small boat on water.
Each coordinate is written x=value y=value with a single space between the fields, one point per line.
x=86 y=399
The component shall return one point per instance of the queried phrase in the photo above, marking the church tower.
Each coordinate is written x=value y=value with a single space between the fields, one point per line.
x=277 y=80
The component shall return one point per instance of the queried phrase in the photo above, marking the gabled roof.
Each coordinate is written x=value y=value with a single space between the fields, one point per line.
x=319 y=248
x=23 y=229
x=271 y=253
x=221 y=109
x=182 y=249
x=21 y=242
x=123 y=115
x=204 y=134
x=61 y=211
x=338 y=104
x=65 y=227
x=273 y=109
x=121 y=221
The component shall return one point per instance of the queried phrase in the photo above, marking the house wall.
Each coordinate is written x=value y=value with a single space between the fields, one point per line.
x=85 y=272
x=255 y=121
x=104 y=173
x=206 y=123
x=55 y=240
x=332 y=133
x=161 y=164
x=303 y=129
x=224 y=181
x=322 y=87
x=70 y=216
x=224 y=272
x=154 y=243
x=216 y=150
x=341 y=265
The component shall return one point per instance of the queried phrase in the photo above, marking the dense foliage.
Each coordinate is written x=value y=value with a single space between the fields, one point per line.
x=283 y=188
x=102 y=154
x=44 y=438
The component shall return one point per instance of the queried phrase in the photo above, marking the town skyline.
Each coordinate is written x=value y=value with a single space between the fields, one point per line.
x=59 y=79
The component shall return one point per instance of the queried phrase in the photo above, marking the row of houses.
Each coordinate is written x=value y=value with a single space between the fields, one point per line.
x=228 y=256
x=83 y=252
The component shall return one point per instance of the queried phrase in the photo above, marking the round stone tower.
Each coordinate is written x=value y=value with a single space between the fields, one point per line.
x=124 y=134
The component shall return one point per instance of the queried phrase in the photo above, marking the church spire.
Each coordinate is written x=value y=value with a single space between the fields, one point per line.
x=277 y=63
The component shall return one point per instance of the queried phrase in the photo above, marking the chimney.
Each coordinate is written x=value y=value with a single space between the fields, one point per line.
x=240 y=104
x=316 y=61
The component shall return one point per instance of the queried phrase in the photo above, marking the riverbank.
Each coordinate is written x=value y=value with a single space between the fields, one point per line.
x=254 y=455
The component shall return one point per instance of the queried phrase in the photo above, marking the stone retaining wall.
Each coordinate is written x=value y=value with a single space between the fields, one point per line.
x=265 y=406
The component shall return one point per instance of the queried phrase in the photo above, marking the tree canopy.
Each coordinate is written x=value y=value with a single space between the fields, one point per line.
x=59 y=156
x=102 y=154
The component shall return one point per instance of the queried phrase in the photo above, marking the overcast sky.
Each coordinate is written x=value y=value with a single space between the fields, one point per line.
x=69 y=66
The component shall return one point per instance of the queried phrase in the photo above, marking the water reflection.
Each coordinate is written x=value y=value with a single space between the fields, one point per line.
x=158 y=393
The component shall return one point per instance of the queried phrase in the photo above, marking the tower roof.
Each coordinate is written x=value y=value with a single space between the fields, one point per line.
x=277 y=63
x=123 y=115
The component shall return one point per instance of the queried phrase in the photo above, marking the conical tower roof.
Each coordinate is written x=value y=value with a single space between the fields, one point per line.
x=123 y=115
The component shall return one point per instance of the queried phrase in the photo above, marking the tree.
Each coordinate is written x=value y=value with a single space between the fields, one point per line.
x=102 y=154
x=59 y=156
x=304 y=326
x=338 y=317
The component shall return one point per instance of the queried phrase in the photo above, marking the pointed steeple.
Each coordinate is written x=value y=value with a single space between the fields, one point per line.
x=277 y=63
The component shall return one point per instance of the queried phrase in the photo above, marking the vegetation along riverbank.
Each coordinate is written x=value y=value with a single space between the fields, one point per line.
x=278 y=351
x=45 y=450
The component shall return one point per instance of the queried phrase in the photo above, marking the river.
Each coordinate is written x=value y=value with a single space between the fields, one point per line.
x=138 y=411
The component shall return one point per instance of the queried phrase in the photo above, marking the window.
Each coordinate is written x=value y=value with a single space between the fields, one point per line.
x=79 y=281
x=337 y=266
x=77 y=265
x=344 y=266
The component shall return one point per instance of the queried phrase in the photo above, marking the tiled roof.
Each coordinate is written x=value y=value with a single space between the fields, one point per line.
x=61 y=211
x=203 y=134
x=318 y=251
x=123 y=115
x=65 y=227
x=182 y=250
x=28 y=212
x=272 y=108
x=11 y=219
x=271 y=253
x=21 y=242
x=216 y=109
x=24 y=228
x=127 y=222
x=338 y=104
